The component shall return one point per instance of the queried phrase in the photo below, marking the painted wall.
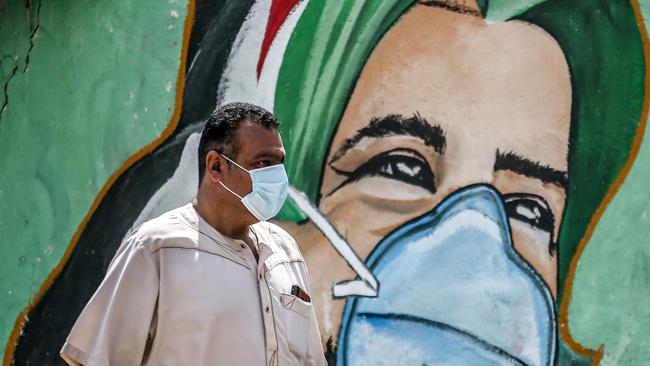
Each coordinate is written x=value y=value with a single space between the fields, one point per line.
x=486 y=163
x=85 y=86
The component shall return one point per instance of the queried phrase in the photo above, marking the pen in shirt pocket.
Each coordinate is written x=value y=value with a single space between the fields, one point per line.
x=300 y=293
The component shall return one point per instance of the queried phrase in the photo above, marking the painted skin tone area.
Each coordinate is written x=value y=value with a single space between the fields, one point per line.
x=445 y=101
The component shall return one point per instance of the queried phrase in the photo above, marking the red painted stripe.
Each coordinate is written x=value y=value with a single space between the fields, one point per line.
x=280 y=10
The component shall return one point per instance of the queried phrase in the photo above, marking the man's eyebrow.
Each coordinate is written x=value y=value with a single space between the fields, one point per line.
x=268 y=154
x=395 y=124
x=520 y=165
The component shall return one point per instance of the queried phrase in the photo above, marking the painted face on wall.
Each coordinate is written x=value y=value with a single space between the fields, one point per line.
x=446 y=101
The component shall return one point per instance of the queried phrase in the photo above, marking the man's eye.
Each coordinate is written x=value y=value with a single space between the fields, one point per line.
x=531 y=210
x=403 y=165
x=262 y=164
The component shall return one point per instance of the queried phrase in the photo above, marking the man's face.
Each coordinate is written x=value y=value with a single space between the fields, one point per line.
x=446 y=101
x=258 y=147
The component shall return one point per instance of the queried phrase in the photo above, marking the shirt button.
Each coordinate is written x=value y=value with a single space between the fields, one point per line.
x=259 y=276
x=243 y=246
x=267 y=309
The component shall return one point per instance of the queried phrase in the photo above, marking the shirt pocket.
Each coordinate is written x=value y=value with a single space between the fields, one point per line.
x=297 y=321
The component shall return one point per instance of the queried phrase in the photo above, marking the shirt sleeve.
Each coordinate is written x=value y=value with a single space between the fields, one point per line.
x=114 y=327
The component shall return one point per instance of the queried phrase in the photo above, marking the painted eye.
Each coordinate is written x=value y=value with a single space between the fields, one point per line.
x=531 y=210
x=402 y=165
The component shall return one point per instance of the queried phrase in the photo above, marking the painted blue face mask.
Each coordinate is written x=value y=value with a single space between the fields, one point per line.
x=450 y=290
x=269 y=190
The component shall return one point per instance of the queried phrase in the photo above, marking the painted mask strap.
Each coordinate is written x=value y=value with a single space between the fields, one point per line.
x=367 y=284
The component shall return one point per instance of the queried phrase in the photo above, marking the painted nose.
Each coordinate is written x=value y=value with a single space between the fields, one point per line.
x=452 y=292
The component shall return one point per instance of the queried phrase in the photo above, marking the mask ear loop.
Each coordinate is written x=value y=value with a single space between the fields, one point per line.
x=231 y=191
x=367 y=284
x=232 y=161
x=239 y=166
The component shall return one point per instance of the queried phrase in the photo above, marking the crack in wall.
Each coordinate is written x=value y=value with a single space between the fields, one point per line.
x=14 y=71
x=6 y=86
x=33 y=34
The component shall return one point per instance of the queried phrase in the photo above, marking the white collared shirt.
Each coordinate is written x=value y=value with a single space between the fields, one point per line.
x=180 y=293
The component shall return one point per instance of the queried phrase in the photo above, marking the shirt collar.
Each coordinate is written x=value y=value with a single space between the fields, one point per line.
x=192 y=216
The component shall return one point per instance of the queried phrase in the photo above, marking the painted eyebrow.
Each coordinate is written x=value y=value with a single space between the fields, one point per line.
x=520 y=165
x=456 y=8
x=395 y=124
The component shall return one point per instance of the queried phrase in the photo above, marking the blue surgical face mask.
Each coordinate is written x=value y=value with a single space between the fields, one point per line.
x=449 y=289
x=269 y=190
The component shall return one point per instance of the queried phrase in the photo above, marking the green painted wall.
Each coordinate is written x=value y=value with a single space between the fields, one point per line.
x=611 y=291
x=96 y=70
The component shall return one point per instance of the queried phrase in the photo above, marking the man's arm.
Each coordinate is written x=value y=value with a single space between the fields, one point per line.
x=114 y=326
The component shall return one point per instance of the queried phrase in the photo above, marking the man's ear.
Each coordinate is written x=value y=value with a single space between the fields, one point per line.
x=214 y=166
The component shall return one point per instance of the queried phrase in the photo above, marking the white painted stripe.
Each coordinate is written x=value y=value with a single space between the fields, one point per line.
x=367 y=285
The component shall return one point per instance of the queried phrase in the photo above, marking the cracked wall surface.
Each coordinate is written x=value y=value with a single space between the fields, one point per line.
x=83 y=86
x=18 y=39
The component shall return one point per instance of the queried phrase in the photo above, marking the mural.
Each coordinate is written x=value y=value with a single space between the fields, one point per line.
x=449 y=162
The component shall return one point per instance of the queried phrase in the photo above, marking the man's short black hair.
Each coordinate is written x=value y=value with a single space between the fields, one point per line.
x=219 y=131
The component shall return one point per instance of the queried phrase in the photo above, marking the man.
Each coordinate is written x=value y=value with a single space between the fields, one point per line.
x=209 y=283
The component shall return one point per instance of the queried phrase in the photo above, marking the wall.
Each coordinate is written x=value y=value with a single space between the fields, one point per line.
x=86 y=85
x=520 y=193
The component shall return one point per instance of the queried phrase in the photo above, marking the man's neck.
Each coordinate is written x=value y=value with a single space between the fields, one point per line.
x=219 y=218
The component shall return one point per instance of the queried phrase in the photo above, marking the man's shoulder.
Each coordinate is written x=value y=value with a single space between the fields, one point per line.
x=172 y=227
x=280 y=241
